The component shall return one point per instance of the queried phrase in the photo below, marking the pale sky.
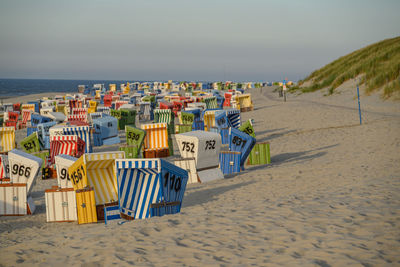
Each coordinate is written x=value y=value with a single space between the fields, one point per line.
x=256 y=40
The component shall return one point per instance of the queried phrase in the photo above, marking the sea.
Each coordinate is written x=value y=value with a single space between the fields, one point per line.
x=21 y=87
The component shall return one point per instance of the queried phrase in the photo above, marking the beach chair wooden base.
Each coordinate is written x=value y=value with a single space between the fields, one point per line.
x=260 y=154
x=156 y=153
x=60 y=205
x=229 y=162
x=86 y=206
x=126 y=217
x=100 y=209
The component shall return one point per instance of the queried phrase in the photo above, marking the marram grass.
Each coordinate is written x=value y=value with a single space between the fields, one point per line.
x=378 y=65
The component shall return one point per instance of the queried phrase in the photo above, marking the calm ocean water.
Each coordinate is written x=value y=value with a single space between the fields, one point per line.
x=19 y=87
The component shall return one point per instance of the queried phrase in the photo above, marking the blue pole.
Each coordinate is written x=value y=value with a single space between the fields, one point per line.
x=359 y=107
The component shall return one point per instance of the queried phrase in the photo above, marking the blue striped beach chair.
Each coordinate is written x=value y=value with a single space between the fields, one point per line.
x=241 y=142
x=144 y=182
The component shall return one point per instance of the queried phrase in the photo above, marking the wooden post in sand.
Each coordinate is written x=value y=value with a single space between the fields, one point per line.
x=284 y=92
x=359 y=107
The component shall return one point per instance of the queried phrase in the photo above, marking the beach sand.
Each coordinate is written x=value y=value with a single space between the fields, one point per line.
x=331 y=197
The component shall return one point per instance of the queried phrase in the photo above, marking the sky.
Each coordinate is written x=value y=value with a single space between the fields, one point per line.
x=248 y=40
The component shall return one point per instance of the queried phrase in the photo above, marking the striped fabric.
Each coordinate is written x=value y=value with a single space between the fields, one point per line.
x=211 y=102
x=95 y=115
x=209 y=119
x=104 y=156
x=163 y=116
x=79 y=111
x=105 y=110
x=3 y=164
x=26 y=115
x=139 y=163
x=83 y=132
x=111 y=213
x=234 y=117
x=28 y=106
x=145 y=110
x=100 y=175
x=7 y=138
x=244 y=100
x=63 y=144
x=74 y=104
x=156 y=136
x=77 y=117
x=137 y=189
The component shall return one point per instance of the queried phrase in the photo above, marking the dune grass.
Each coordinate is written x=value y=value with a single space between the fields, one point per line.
x=378 y=64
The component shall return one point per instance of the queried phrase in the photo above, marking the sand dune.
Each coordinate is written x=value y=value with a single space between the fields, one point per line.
x=331 y=197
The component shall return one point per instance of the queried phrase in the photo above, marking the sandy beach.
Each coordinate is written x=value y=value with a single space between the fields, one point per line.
x=331 y=197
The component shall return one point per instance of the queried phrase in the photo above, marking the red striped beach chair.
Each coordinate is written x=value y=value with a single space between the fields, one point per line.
x=66 y=144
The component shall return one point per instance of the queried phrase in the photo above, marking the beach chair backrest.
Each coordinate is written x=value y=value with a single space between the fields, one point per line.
x=156 y=136
x=7 y=139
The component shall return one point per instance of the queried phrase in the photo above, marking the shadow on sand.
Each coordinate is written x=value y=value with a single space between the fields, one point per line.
x=209 y=194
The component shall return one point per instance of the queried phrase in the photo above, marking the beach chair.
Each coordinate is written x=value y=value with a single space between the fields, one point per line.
x=222 y=126
x=198 y=123
x=105 y=131
x=134 y=142
x=241 y=142
x=71 y=145
x=97 y=170
x=30 y=143
x=37 y=119
x=7 y=139
x=31 y=107
x=186 y=120
x=211 y=102
x=156 y=140
x=149 y=187
x=83 y=132
x=44 y=133
x=24 y=168
x=204 y=147
x=26 y=117
x=244 y=102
